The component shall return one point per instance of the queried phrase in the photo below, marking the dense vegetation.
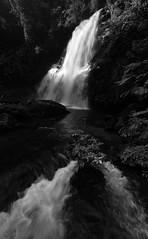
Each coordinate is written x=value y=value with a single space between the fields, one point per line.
x=121 y=55
x=119 y=76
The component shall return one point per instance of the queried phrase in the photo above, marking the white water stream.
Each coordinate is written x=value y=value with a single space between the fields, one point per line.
x=127 y=213
x=65 y=83
x=38 y=215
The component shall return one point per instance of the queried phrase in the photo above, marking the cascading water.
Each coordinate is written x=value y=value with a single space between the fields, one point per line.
x=38 y=215
x=65 y=83
x=128 y=214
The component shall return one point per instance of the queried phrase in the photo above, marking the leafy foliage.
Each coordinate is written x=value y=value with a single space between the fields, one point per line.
x=122 y=25
x=134 y=128
x=135 y=156
x=77 y=11
x=85 y=147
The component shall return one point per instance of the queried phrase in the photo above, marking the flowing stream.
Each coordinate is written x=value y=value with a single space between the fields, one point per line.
x=65 y=83
x=68 y=201
x=38 y=215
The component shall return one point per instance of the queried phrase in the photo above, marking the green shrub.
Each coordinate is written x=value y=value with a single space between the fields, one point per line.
x=135 y=156
x=85 y=147
x=134 y=128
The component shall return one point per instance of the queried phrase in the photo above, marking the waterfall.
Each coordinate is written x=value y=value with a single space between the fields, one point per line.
x=38 y=215
x=123 y=207
x=65 y=83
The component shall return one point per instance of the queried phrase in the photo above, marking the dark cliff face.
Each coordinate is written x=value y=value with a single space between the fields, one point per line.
x=120 y=66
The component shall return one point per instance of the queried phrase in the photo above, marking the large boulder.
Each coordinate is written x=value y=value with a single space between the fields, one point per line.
x=46 y=108
x=18 y=114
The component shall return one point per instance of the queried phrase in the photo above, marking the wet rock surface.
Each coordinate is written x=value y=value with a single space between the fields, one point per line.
x=16 y=115
x=46 y=108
